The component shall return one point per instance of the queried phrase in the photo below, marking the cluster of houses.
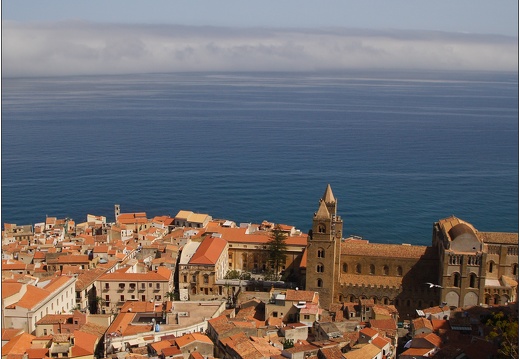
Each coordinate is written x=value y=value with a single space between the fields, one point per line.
x=159 y=288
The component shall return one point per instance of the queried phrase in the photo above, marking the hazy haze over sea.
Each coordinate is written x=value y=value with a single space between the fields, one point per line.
x=400 y=149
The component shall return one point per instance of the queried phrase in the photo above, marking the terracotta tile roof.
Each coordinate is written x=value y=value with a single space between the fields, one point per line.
x=18 y=345
x=87 y=277
x=416 y=352
x=94 y=329
x=438 y=324
x=421 y=323
x=10 y=333
x=10 y=288
x=369 y=332
x=356 y=247
x=147 y=277
x=498 y=237
x=209 y=251
x=190 y=338
x=159 y=346
x=84 y=344
x=385 y=324
x=196 y=355
x=370 y=280
x=32 y=297
x=54 y=319
x=300 y=295
x=57 y=282
x=239 y=235
x=37 y=353
x=331 y=353
x=381 y=342
x=432 y=338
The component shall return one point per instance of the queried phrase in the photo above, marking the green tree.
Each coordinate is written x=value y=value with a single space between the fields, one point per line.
x=170 y=295
x=99 y=303
x=232 y=274
x=504 y=332
x=277 y=249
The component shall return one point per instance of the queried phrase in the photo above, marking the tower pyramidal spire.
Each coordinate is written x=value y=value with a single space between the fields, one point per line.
x=328 y=196
x=329 y=200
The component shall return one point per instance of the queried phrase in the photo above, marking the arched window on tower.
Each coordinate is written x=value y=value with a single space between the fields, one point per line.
x=456 y=279
x=319 y=283
x=399 y=270
x=358 y=268
x=372 y=269
x=473 y=280
x=514 y=269
x=321 y=228
x=491 y=266
x=345 y=268
x=321 y=253
x=320 y=268
x=385 y=270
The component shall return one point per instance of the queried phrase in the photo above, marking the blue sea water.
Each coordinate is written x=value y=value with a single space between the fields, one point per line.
x=400 y=149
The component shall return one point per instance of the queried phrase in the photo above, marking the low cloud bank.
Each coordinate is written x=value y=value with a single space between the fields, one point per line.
x=76 y=48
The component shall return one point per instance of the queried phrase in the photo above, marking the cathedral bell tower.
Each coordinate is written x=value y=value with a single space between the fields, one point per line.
x=323 y=250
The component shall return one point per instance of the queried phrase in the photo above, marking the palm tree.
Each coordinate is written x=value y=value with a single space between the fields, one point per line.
x=170 y=295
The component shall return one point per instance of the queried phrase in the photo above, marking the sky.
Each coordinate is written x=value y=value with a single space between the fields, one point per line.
x=68 y=37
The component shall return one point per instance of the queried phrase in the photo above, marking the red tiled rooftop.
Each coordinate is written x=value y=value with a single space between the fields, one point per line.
x=209 y=251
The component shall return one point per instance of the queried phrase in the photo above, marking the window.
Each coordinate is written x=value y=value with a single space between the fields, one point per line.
x=122 y=297
x=185 y=278
x=472 y=280
x=456 y=279
x=206 y=279
x=321 y=253
x=319 y=283
x=385 y=270
x=157 y=286
x=143 y=286
x=107 y=286
x=514 y=269
x=321 y=228
x=491 y=266
x=45 y=332
x=372 y=269
x=306 y=316
x=345 y=268
x=399 y=270
x=358 y=268
x=275 y=314
x=319 y=268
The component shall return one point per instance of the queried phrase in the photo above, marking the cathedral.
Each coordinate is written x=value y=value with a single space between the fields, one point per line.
x=462 y=267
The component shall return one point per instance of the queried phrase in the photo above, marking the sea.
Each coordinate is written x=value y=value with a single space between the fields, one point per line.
x=400 y=149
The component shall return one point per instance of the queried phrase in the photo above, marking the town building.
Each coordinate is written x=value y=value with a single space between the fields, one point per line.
x=132 y=283
x=24 y=304
x=201 y=266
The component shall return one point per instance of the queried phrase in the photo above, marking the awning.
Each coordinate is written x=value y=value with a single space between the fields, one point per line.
x=136 y=341
x=117 y=345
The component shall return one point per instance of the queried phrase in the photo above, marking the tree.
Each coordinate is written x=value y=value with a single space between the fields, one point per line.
x=232 y=274
x=504 y=331
x=99 y=303
x=276 y=249
x=170 y=295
